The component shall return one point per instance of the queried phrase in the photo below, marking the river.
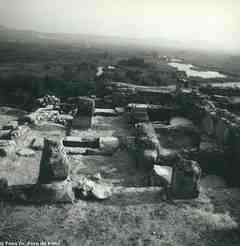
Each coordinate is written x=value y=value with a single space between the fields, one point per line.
x=195 y=72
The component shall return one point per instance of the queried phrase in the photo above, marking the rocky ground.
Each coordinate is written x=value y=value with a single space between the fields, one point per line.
x=134 y=215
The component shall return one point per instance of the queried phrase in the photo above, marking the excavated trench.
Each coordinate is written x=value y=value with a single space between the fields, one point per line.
x=179 y=133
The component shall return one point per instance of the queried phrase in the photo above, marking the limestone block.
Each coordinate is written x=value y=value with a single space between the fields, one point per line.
x=54 y=164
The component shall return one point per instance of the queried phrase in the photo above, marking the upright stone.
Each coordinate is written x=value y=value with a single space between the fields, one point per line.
x=186 y=180
x=54 y=164
x=208 y=124
x=222 y=130
x=85 y=111
x=147 y=145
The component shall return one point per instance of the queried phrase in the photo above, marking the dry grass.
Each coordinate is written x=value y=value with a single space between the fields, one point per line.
x=146 y=220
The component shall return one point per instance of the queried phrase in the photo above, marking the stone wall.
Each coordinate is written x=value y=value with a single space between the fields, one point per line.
x=204 y=108
x=224 y=90
x=121 y=94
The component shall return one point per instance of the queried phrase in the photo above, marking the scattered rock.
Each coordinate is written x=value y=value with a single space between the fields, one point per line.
x=119 y=110
x=101 y=192
x=87 y=188
x=97 y=176
x=22 y=135
x=46 y=101
x=25 y=152
x=47 y=114
x=65 y=119
x=40 y=115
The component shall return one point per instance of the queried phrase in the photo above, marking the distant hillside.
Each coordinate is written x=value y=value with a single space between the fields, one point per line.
x=26 y=36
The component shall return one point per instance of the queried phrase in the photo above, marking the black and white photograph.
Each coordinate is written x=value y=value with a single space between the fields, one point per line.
x=119 y=123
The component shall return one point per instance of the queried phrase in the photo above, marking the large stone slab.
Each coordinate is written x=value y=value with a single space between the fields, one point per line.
x=106 y=112
x=25 y=152
x=108 y=144
x=55 y=192
x=161 y=176
x=180 y=121
x=72 y=141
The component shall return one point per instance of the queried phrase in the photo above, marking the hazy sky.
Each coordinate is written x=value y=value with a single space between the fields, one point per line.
x=214 y=23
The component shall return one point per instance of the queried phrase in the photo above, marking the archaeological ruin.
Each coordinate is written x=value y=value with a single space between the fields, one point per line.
x=175 y=135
